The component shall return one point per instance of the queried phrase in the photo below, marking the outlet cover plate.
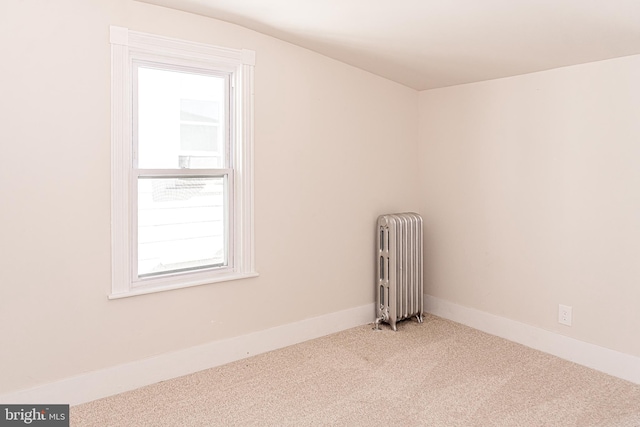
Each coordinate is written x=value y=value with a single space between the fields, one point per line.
x=564 y=314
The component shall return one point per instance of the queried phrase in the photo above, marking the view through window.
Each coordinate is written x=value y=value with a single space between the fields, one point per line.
x=180 y=126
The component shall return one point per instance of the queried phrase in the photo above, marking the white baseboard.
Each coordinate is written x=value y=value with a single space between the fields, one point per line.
x=609 y=361
x=117 y=379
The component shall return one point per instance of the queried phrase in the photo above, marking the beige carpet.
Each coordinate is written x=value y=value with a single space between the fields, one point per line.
x=438 y=373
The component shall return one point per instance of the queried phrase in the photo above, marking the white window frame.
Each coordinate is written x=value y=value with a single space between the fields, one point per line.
x=129 y=46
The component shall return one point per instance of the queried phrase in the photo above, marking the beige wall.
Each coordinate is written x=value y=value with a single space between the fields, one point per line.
x=334 y=147
x=531 y=195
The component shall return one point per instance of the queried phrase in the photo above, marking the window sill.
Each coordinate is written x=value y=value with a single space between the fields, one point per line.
x=154 y=289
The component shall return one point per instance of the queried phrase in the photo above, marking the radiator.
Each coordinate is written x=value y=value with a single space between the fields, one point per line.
x=399 y=268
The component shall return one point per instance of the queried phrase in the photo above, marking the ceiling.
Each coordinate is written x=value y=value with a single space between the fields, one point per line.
x=426 y=44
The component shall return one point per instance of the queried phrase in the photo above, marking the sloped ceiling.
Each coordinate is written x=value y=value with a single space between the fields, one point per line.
x=427 y=44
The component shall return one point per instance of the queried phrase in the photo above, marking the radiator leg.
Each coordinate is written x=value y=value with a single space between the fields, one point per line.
x=377 y=324
x=419 y=317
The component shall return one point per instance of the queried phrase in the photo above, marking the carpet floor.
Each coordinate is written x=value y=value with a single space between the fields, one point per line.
x=438 y=373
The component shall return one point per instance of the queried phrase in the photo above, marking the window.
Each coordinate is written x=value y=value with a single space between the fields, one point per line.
x=182 y=197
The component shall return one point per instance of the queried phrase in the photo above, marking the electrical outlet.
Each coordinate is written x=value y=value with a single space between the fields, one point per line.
x=564 y=314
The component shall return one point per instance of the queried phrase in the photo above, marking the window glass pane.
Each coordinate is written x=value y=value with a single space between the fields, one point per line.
x=180 y=119
x=198 y=137
x=181 y=224
x=199 y=111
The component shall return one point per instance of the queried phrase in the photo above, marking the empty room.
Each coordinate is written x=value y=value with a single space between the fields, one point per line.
x=193 y=192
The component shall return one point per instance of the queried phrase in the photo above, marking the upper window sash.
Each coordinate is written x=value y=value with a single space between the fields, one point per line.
x=222 y=124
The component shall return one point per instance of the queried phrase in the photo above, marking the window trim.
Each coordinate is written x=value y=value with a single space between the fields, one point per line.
x=128 y=46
